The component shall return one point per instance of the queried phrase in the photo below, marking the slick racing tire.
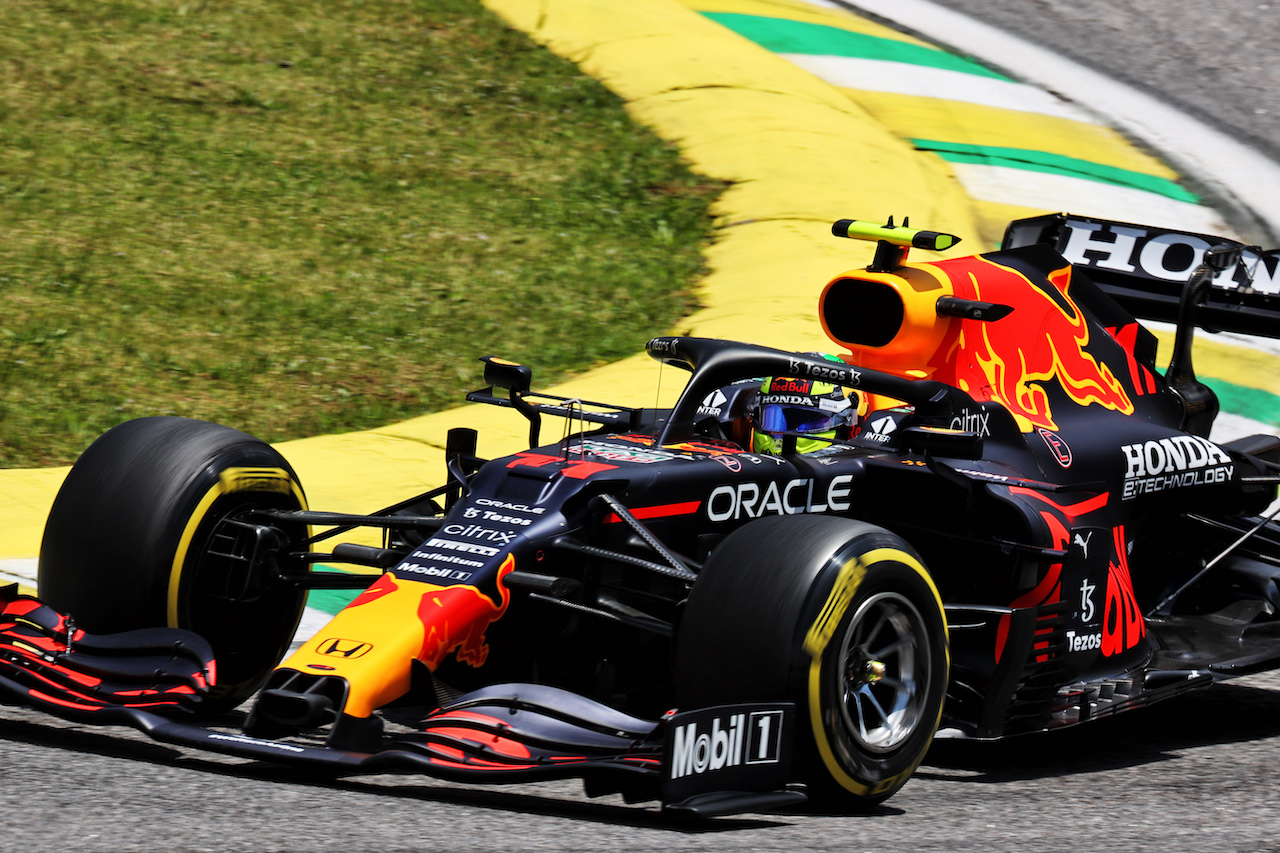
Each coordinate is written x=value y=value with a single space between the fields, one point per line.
x=143 y=534
x=841 y=618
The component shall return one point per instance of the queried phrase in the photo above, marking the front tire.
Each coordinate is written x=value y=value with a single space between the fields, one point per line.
x=144 y=533
x=840 y=617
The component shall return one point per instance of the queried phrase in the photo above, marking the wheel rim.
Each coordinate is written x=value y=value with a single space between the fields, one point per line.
x=249 y=635
x=884 y=672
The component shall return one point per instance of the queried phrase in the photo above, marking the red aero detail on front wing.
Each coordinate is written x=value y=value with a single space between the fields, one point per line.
x=48 y=662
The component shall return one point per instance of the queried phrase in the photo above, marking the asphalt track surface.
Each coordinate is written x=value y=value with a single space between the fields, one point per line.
x=1195 y=773
x=1219 y=61
x=1216 y=65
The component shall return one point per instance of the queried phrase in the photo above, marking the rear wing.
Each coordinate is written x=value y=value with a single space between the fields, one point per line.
x=1145 y=269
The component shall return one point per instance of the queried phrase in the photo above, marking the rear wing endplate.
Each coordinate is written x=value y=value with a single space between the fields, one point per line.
x=1144 y=268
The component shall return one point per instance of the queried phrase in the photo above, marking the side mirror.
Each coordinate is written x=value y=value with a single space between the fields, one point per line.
x=501 y=373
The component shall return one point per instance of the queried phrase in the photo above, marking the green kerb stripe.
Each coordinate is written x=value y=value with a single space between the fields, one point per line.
x=1246 y=402
x=783 y=36
x=332 y=600
x=1041 y=161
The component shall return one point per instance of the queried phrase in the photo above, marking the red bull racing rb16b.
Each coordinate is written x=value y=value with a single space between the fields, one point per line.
x=990 y=514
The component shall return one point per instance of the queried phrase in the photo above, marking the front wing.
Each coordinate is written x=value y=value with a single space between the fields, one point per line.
x=705 y=762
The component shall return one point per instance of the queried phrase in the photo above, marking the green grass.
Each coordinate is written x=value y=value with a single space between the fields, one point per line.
x=313 y=216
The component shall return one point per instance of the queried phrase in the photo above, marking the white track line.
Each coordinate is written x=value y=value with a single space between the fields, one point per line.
x=20 y=570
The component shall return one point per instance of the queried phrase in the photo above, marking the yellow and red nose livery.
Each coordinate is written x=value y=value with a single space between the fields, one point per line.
x=373 y=642
x=890 y=321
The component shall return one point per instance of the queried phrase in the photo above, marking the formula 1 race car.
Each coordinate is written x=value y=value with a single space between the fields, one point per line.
x=1027 y=528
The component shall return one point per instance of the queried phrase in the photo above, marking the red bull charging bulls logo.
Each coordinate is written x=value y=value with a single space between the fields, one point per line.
x=456 y=617
x=1014 y=360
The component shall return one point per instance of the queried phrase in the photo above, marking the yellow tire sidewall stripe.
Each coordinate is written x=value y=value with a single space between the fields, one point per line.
x=230 y=481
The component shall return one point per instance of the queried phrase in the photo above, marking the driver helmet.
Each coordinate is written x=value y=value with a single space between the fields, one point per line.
x=786 y=404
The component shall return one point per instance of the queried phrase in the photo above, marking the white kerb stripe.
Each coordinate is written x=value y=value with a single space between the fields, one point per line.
x=1084 y=196
x=902 y=78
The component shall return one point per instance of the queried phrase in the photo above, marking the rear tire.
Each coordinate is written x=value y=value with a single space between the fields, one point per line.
x=135 y=535
x=838 y=616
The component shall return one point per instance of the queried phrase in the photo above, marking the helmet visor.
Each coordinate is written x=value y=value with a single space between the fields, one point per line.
x=776 y=417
